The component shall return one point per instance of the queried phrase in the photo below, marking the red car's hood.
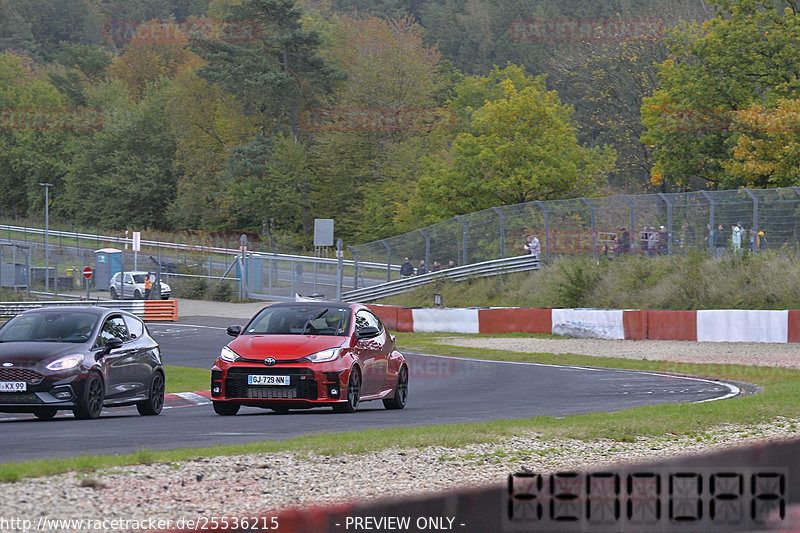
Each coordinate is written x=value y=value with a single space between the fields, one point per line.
x=284 y=346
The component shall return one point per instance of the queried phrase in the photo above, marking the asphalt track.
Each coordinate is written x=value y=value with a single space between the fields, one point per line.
x=441 y=391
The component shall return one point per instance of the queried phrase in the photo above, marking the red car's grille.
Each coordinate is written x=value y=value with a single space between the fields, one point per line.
x=20 y=374
x=303 y=386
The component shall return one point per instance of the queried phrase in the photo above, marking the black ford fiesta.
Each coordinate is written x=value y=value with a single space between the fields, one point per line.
x=80 y=358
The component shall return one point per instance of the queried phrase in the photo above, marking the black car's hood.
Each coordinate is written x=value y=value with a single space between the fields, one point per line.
x=36 y=352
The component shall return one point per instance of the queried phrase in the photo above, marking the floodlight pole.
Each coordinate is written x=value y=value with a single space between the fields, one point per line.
x=46 y=235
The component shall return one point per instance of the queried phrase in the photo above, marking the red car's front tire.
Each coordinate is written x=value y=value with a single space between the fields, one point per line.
x=353 y=393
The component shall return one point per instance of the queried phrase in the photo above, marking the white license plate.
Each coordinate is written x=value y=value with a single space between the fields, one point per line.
x=267 y=380
x=12 y=386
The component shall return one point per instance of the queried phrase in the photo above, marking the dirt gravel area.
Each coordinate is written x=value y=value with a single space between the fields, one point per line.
x=744 y=353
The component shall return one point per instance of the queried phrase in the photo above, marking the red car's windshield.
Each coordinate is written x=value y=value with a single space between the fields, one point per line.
x=300 y=320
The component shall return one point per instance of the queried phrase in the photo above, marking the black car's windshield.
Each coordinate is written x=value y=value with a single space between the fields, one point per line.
x=300 y=320
x=67 y=326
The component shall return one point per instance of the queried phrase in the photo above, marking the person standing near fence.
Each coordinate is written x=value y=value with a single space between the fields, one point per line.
x=532 y=245
x=736 y=237
x=719 y=241
x=406 y=269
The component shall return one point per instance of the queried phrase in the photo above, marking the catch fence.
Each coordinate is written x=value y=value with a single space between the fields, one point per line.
x=671 y=223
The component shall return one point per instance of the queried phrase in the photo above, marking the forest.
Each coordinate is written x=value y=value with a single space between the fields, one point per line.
x=385 y=115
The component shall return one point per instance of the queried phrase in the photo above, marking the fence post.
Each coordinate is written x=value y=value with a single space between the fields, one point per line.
x=427 y=248
x=712 y=233
x=594 y=230
x=464 y=239
x=755 y=208
x=633 y=223
x=355 y=266
x=388 y=260
x=502 y=233
x=669 y=221
x=546 y=231
x=340 y=271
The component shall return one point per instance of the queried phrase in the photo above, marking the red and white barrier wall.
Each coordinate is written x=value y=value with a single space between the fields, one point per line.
x=722 y=325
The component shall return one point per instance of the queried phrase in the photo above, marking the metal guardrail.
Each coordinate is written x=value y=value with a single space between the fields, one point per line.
x=193 y=247
x=476 y=270
x=10 y=309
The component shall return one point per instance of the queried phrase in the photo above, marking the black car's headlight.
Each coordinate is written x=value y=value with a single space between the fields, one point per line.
x=226 y=354
x=65 y=363
x=325 y=355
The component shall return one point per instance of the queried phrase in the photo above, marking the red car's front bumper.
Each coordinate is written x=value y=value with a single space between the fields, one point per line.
x=311 y=384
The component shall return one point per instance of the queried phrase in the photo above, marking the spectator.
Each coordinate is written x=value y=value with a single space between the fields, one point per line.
x=709 y=238
x=736 y=237
x=406 y=269
x=437 y=266
x=719 y=241
x=451 y=264
x=624 y=241
x=652 y=241
x=663 y=241
x=752 y=247
x=532 y=245
x=644 y=239
x=422 y=269
x=761 y=241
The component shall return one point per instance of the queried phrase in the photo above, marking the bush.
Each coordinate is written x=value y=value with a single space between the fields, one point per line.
x=768 y=280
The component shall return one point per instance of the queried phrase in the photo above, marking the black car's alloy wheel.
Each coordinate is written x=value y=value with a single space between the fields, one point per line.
x=90 y=404
x=400 y=393
x=226 y=408
x=353 y=394
x=155 y=402
x=45 y=413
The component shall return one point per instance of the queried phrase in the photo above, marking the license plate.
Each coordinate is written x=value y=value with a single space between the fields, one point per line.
x=12 y=386
x=267 y=380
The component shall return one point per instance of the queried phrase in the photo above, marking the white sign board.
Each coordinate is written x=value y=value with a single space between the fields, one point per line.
x=137 y=241
x=323 y=232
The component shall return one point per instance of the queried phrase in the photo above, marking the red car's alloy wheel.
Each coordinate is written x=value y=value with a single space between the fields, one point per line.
x=353 y=393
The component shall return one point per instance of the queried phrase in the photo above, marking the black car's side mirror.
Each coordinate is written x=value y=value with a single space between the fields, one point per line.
x=367 y=333
x=234 y=331
x=112 y=344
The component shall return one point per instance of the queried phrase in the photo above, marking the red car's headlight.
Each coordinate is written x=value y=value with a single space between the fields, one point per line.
x=325 y=355
x=226 y=354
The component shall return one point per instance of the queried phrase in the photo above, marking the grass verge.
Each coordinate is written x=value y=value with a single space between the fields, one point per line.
x=184 y=379
x=781 y=398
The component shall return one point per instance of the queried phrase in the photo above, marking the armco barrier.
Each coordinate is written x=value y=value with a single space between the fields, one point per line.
x=161 y=310
x=589 y=323
x=635 y=324
x=739 y=325
x=515 y=320
x=672 y=325
x=728 y=325
x=149 y=310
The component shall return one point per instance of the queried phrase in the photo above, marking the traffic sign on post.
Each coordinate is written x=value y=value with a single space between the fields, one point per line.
x=87 y=272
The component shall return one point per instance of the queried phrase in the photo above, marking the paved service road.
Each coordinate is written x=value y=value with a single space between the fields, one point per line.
x=441 y=391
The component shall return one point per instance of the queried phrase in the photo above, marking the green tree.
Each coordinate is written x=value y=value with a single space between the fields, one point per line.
x=276 y=74
x=124 y=176
x=208 y=124
x=29 y=154
x=522 y=147
x=748 y=53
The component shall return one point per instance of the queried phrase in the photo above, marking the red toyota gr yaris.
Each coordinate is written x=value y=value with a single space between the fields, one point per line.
x=309 y=354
